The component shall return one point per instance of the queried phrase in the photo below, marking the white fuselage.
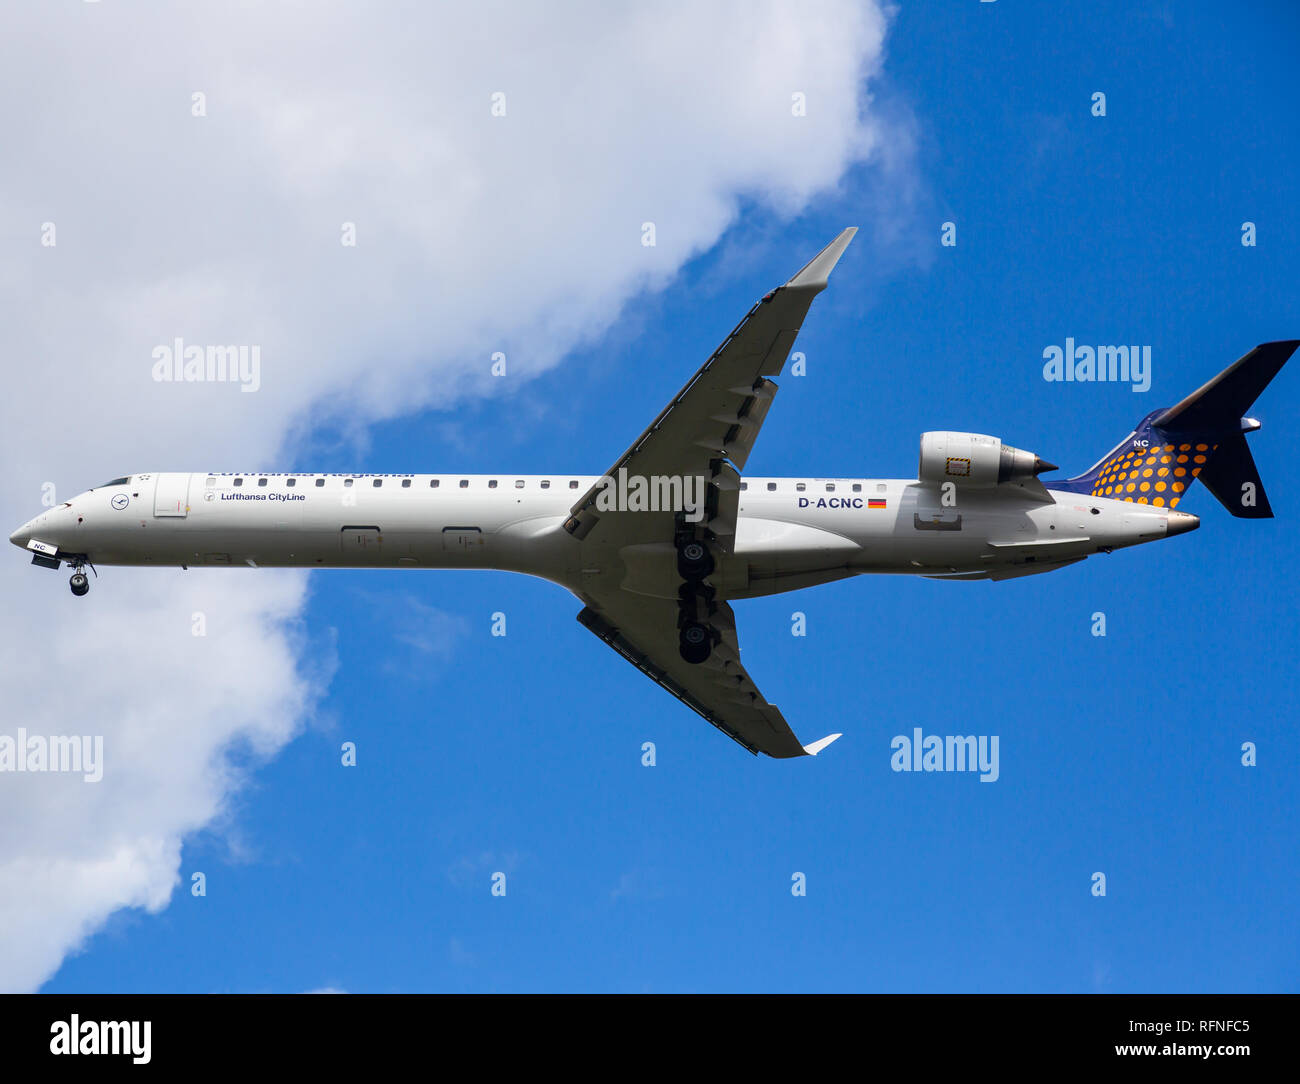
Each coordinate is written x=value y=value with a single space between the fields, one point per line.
x=790 y=533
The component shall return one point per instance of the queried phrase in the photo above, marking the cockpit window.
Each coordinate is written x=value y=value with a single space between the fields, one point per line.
x=117 y=482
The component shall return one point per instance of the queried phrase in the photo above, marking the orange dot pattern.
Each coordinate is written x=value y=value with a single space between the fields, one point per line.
x=1157 y=475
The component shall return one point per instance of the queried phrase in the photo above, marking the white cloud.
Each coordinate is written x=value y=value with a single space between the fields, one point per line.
x=169 y=706
x=475 y=234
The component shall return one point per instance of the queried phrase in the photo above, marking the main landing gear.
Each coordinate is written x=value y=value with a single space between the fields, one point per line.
x=696 y=636
x=694 y=562
x=695 y=642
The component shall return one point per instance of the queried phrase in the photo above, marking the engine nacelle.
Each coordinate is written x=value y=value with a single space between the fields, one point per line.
x=975 y=461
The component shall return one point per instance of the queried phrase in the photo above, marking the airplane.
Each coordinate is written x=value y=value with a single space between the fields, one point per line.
x=659 y=546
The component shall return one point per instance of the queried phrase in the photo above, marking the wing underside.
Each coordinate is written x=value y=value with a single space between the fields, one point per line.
x=719 y=690
x=638 y=598
x=709 y=428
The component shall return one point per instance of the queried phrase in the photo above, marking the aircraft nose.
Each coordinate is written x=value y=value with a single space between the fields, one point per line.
x=1180 y=522
x=28 y=531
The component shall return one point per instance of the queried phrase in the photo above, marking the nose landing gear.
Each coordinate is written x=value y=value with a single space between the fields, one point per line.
x=79 y=582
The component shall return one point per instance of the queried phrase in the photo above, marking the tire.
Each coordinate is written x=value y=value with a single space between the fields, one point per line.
x=694 y=561
x=695 y=642
x=79 y=584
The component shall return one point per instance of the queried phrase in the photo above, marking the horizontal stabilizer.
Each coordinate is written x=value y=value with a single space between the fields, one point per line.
x=1233 y=479
x=1203 y=436
x=1221 y=403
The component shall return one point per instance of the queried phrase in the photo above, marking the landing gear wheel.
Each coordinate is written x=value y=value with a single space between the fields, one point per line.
x=79 y=583
x=696 y=644
x=694 y=561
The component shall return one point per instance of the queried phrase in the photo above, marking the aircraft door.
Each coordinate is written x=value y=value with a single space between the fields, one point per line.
x=361 y=545
x=171 y=495
x=464 y=542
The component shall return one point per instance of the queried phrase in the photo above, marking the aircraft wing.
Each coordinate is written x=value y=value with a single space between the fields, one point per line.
x=630 y=577
x=644 y=631
x=709 y=428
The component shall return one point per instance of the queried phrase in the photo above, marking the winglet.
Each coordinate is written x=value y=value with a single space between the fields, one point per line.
x=813 y=748
x=816 y=273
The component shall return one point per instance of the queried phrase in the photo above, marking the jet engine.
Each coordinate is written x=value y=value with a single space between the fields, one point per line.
x=975 y=461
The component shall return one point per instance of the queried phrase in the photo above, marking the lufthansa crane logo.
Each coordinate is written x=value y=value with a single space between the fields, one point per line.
x=120 y=501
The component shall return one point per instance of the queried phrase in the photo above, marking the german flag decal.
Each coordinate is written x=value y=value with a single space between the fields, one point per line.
x=876 y=502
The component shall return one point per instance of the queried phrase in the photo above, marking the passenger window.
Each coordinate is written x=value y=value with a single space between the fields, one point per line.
x=771 y=487
x=291 y=482
x=433 y=483
x=464 y=483
x=406 y=483
x=239 y=481
x=320 y=481
x=492 y=484
x=211 y=481
x=546 y=485
x=347 y=483
x=261 y=481
x=799 y=487
x=857 y=487
x=744 y=486
x=519 y=484
x=573 y=485
x=378 y=482
x=830 y=487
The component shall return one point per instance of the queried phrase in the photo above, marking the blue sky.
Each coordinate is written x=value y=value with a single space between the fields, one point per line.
x=1119 y=754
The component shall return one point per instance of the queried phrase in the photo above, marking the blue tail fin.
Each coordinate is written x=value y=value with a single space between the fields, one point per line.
x=1203 y=437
